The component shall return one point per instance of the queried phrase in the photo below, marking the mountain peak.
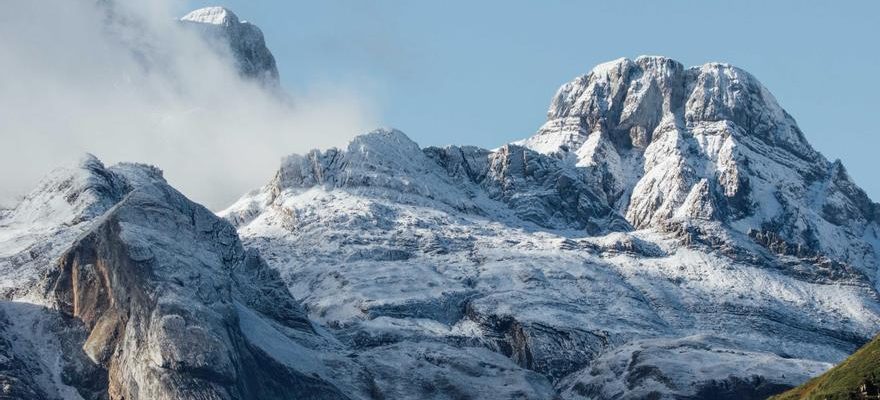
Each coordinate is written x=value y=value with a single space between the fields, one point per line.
x=671 y=144
x=382 y=139
x=240 y=39
x=609 y=66
x=662 y=220
x=212 y=15
x=367 y=156
x=633 y=101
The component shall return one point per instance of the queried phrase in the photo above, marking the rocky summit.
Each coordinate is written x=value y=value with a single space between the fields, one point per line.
x=668 y=233
x=241 y=39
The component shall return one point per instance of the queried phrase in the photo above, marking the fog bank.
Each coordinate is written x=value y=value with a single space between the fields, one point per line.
x=132 y=84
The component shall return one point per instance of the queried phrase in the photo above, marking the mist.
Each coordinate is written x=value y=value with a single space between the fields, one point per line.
x=138 y=86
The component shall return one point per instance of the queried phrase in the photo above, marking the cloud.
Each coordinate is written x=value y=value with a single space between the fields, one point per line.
x=138 y=86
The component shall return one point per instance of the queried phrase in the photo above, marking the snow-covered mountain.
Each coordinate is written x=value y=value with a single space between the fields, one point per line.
x=242 y=39
x=709 y=143
x=210 y=36
x=667 y=233
x=118 y=286
x=126 y=289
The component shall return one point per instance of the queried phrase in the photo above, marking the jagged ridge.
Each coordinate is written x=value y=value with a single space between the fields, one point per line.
x=667 y=234
x=662 y=214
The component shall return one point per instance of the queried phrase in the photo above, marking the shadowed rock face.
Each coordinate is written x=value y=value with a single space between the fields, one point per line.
x=156 y=282
x=754 y=388
x=40 y=346
x=17 y=377
x=538 y=188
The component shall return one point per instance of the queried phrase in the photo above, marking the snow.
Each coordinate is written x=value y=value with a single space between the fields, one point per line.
x=606 y=67
x=262 y=334
x=50 y=217
x=29 y=328
x=212 y=15
x=501 y=269
x=241 y=41
x=679 y=362
x=647 y=233
x=385 y=248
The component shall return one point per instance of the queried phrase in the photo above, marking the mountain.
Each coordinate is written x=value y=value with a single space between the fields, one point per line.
x=157 y=47
x=668 y=233
x=854 y=378
x=243 y=40
x=129 y=290
x=676 y=145
x=118 y=286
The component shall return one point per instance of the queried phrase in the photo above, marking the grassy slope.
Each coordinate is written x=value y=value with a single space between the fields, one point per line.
x=844 y=378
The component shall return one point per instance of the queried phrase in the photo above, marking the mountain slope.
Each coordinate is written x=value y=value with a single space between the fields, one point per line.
x=855 y=377
x=158 y=276
x=144 y=294
x=126 y=289
x=667 y=233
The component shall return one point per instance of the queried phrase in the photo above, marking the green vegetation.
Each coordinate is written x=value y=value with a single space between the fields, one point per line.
x=857 y=377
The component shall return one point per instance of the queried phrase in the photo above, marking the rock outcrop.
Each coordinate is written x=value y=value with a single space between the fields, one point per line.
x=706 y=143
x=158 y=285
x=241 y=39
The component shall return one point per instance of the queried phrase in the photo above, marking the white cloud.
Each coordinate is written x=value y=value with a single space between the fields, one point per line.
x=148 y=90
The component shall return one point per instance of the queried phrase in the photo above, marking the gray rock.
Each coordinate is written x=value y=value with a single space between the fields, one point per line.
x=147 y=293
x=243 y=40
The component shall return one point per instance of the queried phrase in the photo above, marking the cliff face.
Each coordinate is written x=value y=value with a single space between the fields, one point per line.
x=155 y=285
x=148 y=301
x=708 y=143
x=244 y=42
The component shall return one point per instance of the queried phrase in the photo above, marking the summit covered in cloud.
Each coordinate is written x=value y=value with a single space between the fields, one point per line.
x=131 y=81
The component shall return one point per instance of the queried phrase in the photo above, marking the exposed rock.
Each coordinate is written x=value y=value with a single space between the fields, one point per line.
x=243 y=40
x=538 y=188
x=706 y=143
x=663 y=220
x=157 y=284
x=668 y=233
x=155 y=281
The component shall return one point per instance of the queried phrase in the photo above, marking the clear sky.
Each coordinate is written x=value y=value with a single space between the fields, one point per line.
x=483 y=72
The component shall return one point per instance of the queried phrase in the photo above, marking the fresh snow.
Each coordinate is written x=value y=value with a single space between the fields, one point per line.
x=668 y=232
x=386 y=247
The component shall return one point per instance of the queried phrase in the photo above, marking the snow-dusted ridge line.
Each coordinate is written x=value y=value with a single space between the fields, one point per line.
x=667 y=233
x=675 y=213
x=141 y=293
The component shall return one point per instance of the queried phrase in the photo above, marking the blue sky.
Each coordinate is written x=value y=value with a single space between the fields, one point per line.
x=483 y=73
